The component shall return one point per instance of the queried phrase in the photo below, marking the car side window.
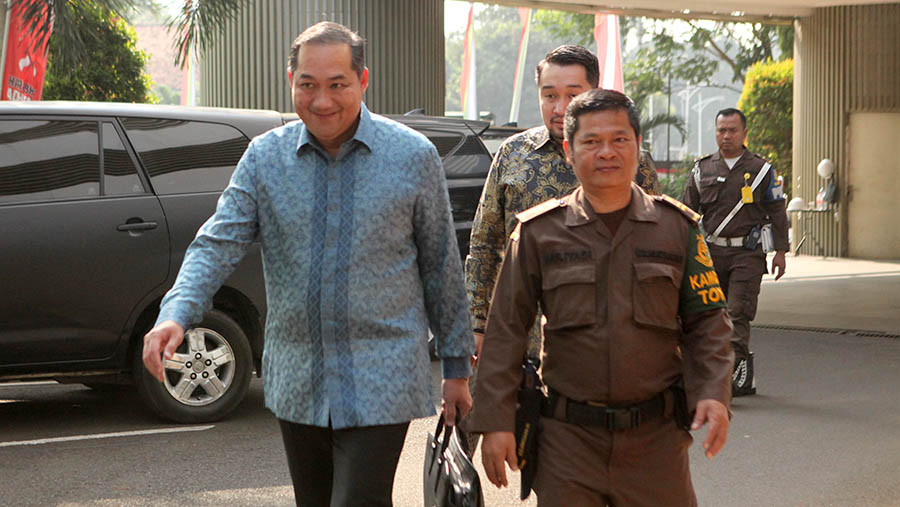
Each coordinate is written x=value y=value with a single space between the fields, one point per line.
x=48 y=160
x=185 y=157
x=119 y=174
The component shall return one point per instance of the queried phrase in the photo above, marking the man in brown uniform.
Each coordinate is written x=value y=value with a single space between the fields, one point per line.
x=632 y=303
x=738 y=237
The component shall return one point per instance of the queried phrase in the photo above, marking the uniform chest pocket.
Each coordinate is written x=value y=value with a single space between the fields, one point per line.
x=709 y=189
x=570 y=296
x=656 y=291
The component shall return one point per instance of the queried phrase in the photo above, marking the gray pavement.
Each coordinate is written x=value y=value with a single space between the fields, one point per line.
x=833 y=294
x=821 y=431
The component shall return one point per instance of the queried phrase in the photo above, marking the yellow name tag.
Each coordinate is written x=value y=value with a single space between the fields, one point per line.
x=747 y=195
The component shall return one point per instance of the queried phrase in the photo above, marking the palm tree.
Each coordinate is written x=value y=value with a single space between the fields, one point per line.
x=194 y=27
x=642 y=86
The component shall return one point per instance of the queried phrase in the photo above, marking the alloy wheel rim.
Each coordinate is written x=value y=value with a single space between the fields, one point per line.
x=201 y=370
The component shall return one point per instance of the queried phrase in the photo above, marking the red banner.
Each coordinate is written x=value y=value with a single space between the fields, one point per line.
x=26 y=59
x=467 y=94
x=609 y=51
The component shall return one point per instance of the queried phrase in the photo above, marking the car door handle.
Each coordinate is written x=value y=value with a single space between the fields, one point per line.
x=136 y=226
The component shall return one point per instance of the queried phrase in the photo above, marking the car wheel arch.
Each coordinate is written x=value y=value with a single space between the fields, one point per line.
x=227 y=300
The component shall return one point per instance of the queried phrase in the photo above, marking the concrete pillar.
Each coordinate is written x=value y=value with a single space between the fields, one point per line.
x=847 y=62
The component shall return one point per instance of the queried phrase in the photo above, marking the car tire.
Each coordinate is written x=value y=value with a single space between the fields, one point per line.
x=206 y=378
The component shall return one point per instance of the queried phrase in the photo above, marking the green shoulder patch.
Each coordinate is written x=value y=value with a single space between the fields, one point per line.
x=540 y=209
x=700 y=288
x=691 y=215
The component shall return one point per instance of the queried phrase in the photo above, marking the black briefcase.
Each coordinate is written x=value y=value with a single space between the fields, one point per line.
x=450 y=477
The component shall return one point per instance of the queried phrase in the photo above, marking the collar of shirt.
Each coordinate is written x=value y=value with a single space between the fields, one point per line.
x=579 y=210
x=718 y=156
x=364 y=135
x=543 y=140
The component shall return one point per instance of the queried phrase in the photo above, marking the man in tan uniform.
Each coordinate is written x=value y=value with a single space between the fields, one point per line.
x=716 y=185
x=530 y=168
x=633 y=308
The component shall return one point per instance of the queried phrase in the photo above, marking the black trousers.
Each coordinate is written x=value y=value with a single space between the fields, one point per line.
x=343 y=468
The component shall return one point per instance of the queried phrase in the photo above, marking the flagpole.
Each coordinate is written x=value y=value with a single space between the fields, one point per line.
x=7 y=15
x=520 y=66
x=468 y=94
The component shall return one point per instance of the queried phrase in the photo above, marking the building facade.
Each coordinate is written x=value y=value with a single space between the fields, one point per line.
x=847 y=109
x=846 y=94
x=246 y=67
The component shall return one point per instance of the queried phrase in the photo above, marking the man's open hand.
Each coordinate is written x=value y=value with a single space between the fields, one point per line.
x=498 y=449
x=779 y=264
x=716 y=414
x=161 y=341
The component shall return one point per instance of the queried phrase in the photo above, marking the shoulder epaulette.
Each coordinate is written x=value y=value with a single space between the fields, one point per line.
x=540 y=209
x=692 y=215
x=757 y=155
x=704 y=157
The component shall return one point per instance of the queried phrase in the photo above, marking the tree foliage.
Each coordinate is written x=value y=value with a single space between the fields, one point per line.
x=113 y=70
x=497 y=33
x=497 y=30
x=688 y=50
x=767 y=101
x=642 y=81
x=673 y=183
x=194 y=27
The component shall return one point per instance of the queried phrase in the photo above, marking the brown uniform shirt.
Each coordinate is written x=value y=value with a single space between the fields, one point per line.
x=617 y=307
x=712 y=190
x=528 y=169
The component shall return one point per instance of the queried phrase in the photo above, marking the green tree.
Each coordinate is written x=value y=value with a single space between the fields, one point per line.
x=166 y=94
x=195 y=26
x=643 y=72
x=672 y=184
x=767 y=101
x=642 y=81
x=688 y=50
x=497 y=32
x=113 y=70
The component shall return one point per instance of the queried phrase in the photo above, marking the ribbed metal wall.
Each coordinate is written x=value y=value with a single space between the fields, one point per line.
x=404 y=52
x=848 y=60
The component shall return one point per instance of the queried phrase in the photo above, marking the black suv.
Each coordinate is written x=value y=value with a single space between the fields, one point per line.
x=98 y=203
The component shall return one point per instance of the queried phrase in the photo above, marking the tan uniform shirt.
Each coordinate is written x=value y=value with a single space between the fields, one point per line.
x=712 y=190
x=617 y=307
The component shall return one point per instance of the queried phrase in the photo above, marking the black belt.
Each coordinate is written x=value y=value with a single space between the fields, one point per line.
x=610 y=417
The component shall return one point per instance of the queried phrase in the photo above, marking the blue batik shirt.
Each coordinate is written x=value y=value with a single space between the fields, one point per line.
x=360 y=257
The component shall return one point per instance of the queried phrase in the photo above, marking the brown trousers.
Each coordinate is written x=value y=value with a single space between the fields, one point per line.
x=740 y=274
x=584 y=466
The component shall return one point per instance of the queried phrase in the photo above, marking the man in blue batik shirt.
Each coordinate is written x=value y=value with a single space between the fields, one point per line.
x=360 y=258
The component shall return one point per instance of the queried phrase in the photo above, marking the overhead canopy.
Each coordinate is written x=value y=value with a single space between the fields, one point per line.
x=768 y=11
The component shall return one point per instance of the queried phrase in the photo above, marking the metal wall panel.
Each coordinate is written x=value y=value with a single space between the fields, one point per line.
x=847 y=60
x=246 y=67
